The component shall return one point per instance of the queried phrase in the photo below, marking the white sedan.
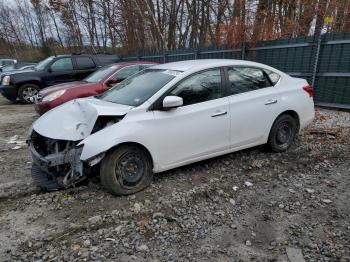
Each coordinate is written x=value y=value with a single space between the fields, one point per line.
x=168 y=116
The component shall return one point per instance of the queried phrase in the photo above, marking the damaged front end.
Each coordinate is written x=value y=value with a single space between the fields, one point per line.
x=56 y=163
x=56 y=141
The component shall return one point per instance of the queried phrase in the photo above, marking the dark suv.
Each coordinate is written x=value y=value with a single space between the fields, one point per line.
x=53 y=70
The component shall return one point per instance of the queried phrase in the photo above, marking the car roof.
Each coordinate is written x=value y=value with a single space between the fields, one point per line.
x=127 y=63
x=206 y=63
x=85 y=54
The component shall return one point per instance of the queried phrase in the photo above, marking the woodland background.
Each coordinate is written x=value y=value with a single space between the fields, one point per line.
x=33 y=29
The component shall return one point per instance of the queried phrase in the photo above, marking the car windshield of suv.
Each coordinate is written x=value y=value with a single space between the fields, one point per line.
x=42 y=64
x=140 y=87
x=100 y=74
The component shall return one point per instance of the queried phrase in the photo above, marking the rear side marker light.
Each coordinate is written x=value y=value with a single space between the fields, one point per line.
x=308 y=89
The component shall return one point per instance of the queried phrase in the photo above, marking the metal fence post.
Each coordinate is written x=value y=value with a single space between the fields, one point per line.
x=314 y=71
x=195 y=51
x=164 y=57
x=243 y=51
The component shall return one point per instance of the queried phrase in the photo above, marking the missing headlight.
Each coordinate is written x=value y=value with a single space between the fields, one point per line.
x=104 y=121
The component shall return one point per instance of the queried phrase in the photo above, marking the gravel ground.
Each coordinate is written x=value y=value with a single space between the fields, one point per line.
x=249 y=205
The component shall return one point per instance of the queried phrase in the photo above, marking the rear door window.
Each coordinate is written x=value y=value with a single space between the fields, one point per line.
x=246 y=79
x=85 y=62
x=62 y=64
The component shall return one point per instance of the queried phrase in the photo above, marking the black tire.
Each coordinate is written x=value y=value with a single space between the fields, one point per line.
x=26 y=91
x=282 y=133
x=126 y=170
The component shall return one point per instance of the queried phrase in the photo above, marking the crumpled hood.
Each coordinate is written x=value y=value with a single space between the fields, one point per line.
x=64 y=86
x=75 y=120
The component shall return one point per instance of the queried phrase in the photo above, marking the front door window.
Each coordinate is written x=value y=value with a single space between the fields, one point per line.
x=200 y=87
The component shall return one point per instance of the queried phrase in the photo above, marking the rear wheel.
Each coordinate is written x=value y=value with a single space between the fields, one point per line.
x=282 y=133
x=28 y=91
x=126 y=170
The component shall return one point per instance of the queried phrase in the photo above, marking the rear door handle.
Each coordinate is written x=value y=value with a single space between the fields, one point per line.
x=219 y=114
x=270 y=102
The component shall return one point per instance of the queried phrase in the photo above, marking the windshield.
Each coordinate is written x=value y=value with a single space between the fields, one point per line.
x=100 y=74
x=42 y=64
x=8 y=68
x=140 y=87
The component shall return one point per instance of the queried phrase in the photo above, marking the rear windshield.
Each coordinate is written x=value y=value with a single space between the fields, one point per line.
x=138 y=88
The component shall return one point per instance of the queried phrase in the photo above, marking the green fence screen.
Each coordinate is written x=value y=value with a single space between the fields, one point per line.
x=325 y=63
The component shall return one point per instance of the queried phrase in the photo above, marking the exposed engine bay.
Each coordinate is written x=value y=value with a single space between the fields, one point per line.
x=56 y=162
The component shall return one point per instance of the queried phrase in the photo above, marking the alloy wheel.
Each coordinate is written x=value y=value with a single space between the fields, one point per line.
x=28 y=93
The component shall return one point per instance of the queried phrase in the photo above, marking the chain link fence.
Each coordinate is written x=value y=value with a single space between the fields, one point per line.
x=324 y=61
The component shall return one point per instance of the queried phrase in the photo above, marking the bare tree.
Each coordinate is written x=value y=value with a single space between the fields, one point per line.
x=132 y=26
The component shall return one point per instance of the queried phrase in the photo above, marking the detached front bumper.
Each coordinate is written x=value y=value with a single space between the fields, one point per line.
x=9 y=92
x=57 y=170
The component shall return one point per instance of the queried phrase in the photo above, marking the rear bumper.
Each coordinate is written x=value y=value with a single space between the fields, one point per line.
x=9 y=92
x=307 y=121
x=307 y=115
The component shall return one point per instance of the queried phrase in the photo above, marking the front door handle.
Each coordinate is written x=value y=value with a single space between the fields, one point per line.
x=219 y=114
x=270 y=102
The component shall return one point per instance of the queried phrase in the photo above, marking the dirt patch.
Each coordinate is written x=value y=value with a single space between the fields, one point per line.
x=249 y=205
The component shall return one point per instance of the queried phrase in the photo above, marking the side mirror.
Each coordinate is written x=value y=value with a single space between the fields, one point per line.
x=49 y=70
x=172 y=102
x=111 y=82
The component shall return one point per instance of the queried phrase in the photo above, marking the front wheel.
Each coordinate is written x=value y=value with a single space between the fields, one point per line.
x=282 y=133
x=27 y=92
x=126 y=170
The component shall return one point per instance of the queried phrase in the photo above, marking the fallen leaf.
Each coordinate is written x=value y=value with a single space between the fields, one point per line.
x=142 y=223
x=196 y=178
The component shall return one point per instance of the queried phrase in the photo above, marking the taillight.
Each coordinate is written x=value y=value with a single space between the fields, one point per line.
x=308 y=89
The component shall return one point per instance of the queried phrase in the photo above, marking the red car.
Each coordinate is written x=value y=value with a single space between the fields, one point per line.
x=96 y=83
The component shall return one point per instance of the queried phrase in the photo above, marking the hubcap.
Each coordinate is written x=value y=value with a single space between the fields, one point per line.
x=284 y=134
x=131 y=167
x=28 y=93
